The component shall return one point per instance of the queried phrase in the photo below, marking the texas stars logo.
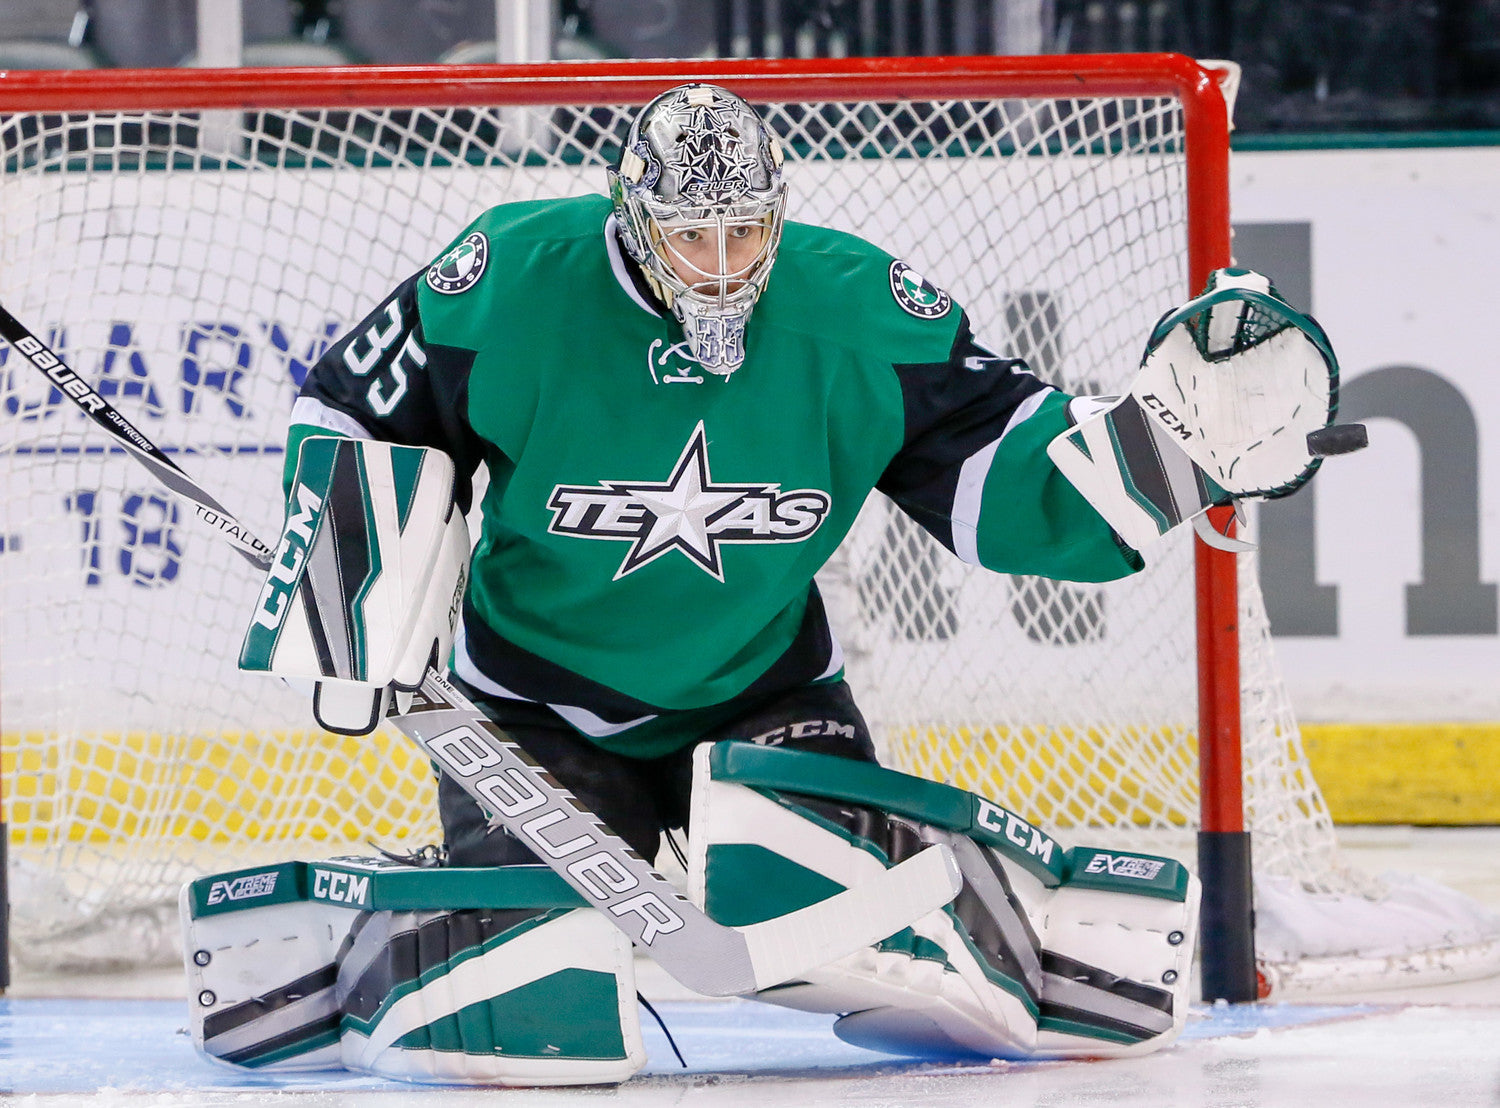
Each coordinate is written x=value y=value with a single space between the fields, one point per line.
x=688 y=512
x=461 y=267
x=917 y=295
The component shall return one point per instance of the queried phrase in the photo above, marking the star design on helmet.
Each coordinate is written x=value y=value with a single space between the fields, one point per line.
x=714 y=157
x=684 y=505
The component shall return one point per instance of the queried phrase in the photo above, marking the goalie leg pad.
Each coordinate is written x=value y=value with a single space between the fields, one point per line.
x=1044 y=953
x=964 y=980
x=334 y=965
x=490 y=997
x=261 y=982
x=1109 y=978
x=986 y=1000
x=1118 y=956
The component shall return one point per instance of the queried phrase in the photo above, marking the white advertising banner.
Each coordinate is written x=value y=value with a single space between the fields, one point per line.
x=1380 y=577
x=197 y=302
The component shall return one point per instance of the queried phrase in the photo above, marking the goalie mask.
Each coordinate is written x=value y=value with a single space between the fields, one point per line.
x=699 y=198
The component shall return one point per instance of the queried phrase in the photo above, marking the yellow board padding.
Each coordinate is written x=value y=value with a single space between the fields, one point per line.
x=1428 y=773
x=1064 y=777
x=229 y=787
x=314 y=786
x=300 y=786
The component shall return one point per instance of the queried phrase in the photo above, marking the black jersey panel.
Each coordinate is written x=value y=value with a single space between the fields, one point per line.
x=954 y=408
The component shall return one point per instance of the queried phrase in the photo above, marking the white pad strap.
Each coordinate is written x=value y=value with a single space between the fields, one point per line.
x=364 y=591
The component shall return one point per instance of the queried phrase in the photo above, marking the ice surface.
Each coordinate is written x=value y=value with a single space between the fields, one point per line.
x=90 y=1043
x=136 y=1052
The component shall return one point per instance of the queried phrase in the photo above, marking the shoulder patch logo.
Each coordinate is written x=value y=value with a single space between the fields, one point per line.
x=458 y=270
x=916 y=295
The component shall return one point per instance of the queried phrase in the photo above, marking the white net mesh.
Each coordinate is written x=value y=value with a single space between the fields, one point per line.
x=193 y=267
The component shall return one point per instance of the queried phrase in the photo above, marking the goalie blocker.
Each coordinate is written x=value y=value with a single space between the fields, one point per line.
x=366 y=585
x=1236 y=398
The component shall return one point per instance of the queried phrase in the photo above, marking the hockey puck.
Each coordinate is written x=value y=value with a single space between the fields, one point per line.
x=1340 y=438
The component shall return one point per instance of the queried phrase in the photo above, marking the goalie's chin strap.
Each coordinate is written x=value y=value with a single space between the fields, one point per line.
x=1213 y=537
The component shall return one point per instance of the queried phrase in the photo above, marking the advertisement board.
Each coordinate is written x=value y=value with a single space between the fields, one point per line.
x=1380 y=577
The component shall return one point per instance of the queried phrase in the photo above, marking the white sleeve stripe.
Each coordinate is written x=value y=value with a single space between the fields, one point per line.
x=309 y=411
x=835 y=659
x=617 y=265
x=968 y=498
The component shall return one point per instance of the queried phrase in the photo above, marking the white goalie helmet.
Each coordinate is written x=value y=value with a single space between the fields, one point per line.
x=700 y=169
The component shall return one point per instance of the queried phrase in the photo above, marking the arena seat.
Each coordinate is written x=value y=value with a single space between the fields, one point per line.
x=39 y=34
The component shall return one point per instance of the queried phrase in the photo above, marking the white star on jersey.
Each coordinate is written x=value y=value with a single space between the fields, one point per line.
x=683 y=506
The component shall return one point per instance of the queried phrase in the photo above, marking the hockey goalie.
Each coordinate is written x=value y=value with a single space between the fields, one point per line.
x=681 y=401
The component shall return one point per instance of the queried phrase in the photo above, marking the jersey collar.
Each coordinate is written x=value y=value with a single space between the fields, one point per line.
x=625 y=272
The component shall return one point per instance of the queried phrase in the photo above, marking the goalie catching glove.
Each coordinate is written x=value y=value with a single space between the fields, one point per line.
x=365 y=588
x=1235 y=398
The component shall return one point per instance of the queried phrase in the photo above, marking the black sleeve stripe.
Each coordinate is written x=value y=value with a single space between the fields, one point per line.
x=953 y=410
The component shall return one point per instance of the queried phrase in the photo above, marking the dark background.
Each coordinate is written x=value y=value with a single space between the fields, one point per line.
x=1309 y=66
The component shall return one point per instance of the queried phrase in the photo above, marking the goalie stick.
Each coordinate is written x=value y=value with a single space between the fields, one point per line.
x=707 y=957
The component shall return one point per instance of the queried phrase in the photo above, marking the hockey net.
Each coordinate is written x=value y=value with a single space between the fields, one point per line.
x=193 y=261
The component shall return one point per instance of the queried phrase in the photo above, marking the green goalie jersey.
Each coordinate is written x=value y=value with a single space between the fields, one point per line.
x=651 y=531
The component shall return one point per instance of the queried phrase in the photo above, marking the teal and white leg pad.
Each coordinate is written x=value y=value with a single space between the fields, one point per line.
x=1045 y=952
x=455 y=976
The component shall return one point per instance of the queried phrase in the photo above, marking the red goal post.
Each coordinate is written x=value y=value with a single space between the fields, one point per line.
x=1205 y=128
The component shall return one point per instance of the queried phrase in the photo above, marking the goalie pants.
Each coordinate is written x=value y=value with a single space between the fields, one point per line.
x=639 y=798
